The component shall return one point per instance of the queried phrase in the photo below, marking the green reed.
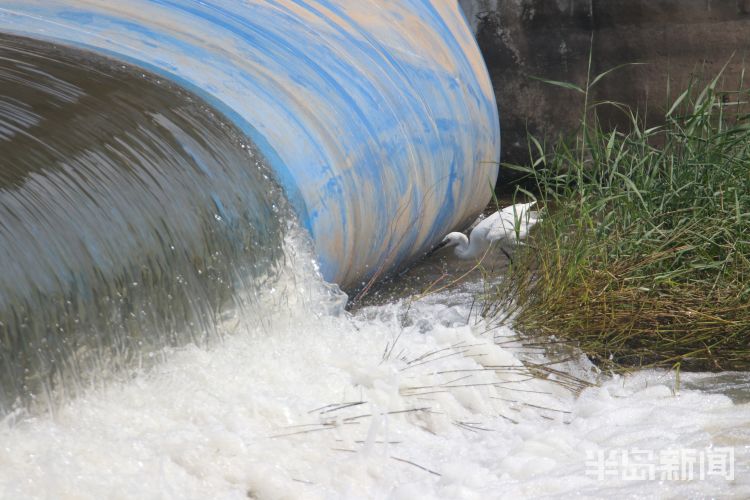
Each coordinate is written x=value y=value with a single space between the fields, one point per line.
x=644 y=256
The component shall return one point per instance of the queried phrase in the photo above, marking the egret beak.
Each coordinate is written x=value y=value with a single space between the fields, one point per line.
x=437 y=247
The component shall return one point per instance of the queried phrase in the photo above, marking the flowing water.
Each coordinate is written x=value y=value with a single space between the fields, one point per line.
x=131 y=218
x=166 y=334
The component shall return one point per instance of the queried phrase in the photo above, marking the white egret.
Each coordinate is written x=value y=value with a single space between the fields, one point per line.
x=507 y=226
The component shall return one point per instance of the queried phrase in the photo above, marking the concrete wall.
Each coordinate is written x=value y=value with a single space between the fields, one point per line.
x=552 y=39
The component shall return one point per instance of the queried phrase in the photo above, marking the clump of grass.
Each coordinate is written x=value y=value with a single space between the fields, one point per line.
x=644 y=256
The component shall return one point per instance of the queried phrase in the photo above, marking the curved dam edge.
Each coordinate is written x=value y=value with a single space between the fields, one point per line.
x=378 y=119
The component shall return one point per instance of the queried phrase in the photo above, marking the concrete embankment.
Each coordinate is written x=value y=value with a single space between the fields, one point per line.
x=552 y=39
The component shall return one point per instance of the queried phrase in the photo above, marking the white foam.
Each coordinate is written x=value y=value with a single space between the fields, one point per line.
x=436 y=409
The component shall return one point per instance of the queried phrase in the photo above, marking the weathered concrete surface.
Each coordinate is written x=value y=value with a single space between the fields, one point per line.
x=552 y=39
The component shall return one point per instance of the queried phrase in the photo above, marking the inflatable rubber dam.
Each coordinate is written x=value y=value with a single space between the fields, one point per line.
x=156 y=155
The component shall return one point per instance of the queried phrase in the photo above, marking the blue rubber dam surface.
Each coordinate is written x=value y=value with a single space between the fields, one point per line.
x=377 y=118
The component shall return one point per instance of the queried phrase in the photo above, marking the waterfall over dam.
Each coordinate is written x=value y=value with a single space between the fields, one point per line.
x=131 y=218
x=155 y=154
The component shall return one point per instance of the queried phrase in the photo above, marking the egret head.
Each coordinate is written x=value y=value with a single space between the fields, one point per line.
x=453 y=239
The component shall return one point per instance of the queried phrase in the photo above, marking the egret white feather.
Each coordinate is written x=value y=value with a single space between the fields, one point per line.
x=507 y=226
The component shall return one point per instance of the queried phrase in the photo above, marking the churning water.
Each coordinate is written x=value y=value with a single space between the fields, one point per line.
x=165 y=334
